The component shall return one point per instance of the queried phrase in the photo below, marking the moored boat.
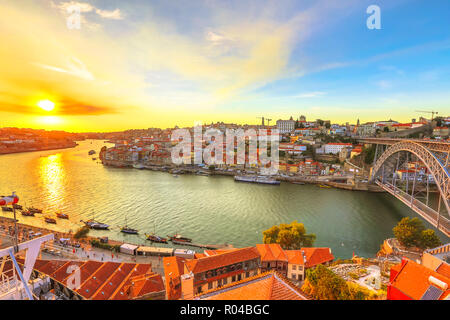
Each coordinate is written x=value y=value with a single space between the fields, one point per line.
x=6 y=208
x=17 y=206
x=256 y=179
x=96 y=225
x=62 y=215
x=178 y=237
x=128 y=230
x=27 y=213
x=34 y=210
x=91 y=152
x=324 y=186
x=155 y=238
x=50 y=220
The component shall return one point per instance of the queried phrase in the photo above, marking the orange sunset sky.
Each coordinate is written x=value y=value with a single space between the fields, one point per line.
x=140 y=64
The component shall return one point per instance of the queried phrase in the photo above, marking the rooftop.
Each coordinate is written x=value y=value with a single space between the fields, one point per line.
x=266 y=286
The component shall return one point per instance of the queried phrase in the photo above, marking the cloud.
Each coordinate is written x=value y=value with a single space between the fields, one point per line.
x=313 y=94
x=74 y=67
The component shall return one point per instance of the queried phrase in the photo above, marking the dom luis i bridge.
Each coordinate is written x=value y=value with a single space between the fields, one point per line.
x=417 y=173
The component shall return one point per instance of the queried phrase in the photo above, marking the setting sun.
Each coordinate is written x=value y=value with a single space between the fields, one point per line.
x=47 y=105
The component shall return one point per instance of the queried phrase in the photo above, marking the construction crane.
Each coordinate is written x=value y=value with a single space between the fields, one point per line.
x=432 y=113
x=262 y=120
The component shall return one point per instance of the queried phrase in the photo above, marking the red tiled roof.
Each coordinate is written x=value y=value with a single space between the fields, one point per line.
x=316 y=256
x=268 y=286
x=103 y=280
x=295 y=257
x=173 y=269
x=221 y=260
x=413 y=280
x=444 y=269
x=271 y=252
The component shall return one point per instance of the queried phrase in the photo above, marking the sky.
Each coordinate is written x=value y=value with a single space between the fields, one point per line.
x=140 y=64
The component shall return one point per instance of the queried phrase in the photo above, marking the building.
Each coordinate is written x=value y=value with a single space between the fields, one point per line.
x=101 y=280
x=429 y=280
x=335 y=147
x=265 y=286
x=285 y=126
x=273 y=257
x=412 y=281
x=209 y=272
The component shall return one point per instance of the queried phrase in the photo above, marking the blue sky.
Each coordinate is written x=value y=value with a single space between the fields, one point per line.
x=161 y=63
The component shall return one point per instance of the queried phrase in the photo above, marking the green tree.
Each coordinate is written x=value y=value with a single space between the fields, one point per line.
x=369 y=154
x=327 y=285
x=429 y=239
x=409 y=231
x=289 y=236
x=386 y=129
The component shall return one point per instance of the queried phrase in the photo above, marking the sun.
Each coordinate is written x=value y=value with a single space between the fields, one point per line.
x=47 y=105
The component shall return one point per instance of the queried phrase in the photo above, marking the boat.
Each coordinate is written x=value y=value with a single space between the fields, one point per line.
x=127 y=229
x=202 y=173
x=155 y=238
x=17 y=206
x=175 y=175
x=257 y=179
x=324 y=186
x=179 y=238
x=91 y=152
x=62 y=215
x=94 y=158
x=6 y=208
x=138 y=166
x=50 y=220
x=27 y=213
x=34 y=210
x=96 y=225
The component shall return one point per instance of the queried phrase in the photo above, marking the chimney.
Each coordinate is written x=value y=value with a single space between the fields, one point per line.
x=187 y=286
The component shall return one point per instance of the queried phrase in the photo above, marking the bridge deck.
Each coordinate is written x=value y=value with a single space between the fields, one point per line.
x=432 y=216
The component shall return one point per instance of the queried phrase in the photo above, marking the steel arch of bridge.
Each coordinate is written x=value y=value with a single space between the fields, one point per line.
x=434 y=164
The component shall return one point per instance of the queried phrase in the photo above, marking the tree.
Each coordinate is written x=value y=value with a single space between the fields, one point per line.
x=327 y=125
x=326 y=284
x=386 y=129
x=429 y=239
x=409 y=231
x=289 y=236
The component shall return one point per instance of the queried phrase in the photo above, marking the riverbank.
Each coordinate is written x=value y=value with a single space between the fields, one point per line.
x=34 y=148
x=319 y=180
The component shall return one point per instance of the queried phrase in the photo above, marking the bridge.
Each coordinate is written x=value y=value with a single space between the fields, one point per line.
x=415 y=171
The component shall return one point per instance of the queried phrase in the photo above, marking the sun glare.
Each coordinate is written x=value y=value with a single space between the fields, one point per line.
x=47 y=105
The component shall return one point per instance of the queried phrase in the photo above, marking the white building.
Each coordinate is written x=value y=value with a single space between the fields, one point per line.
x=285 y=126
x=335 y=148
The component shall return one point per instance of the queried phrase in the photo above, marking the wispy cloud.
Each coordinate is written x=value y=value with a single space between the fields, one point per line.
x=313 y=94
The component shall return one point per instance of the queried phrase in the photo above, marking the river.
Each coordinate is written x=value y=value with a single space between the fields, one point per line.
x=210 y=210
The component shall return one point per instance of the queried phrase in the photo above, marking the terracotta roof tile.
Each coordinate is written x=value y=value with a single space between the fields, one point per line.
x=316 y=256
x=413 y=279
x=221 y=260
x=271 y=252
x=173 y=269
x=268 y=286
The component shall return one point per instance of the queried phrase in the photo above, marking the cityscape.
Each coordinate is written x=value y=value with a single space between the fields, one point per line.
x=131 y=170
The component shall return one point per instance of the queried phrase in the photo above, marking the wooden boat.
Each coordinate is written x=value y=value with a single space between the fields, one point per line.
x=323 y=186
x=128 y=230
x=17 y=206
x=27 y=213
x=34 y=210
x=50 y=220
x=5 y=208
x=62 y=215
x=155 y=238
x=96 y=225
x=179 y=238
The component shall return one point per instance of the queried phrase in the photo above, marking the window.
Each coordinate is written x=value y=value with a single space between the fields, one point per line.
x=233 y=279
x=247 y=274
x=294 y=267
x=225 y=281
x=239 y=277
x=199 y=290
x=210 y=285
